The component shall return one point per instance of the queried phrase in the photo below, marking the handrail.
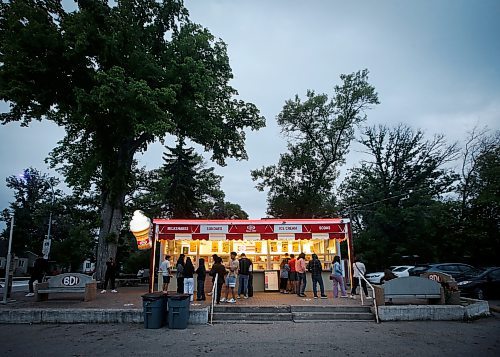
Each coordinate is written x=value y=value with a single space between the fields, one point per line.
x=361 y=276
x=214 y=291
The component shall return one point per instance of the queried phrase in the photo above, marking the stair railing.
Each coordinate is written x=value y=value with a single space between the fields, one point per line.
x=214 y=291
x=362 y=276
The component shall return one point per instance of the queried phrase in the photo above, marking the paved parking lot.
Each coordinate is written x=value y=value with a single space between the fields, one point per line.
x=437 y=338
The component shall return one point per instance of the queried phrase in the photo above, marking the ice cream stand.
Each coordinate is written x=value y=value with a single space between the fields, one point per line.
x=265 y=242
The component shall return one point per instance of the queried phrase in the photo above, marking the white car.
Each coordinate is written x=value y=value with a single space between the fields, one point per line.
x=378 y=277
x=402 y=270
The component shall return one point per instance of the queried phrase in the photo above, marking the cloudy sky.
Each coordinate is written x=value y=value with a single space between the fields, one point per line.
x=435 y=65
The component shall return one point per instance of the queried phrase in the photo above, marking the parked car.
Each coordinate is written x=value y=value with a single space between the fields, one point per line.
x=378 y=277
x=402 y=270
x=456 y=270
x=485 y=284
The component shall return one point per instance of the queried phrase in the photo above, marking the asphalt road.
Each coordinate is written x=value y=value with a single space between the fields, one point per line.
x=478 y=338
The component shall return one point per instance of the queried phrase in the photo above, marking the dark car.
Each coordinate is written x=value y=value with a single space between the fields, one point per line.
x=456 y=270
x=483 y=285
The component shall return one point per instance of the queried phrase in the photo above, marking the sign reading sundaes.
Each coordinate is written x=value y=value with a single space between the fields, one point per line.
x=209 y=228
x=288 y=228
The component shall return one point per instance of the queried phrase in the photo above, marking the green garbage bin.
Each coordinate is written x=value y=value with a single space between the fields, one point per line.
x=154 y=309
x=178 y=311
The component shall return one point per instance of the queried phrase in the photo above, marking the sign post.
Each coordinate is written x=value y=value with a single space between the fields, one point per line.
x=46 y=248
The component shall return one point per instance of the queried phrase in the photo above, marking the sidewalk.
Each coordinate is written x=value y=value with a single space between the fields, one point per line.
x=125 y=306
x=130 y=298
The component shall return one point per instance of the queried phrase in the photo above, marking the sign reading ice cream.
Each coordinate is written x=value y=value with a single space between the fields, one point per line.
x=288 y=228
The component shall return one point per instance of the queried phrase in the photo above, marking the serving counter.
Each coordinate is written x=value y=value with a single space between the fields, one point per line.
x=258 y=281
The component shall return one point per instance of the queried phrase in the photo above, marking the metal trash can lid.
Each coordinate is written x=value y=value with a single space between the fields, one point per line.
x=153 y=296
x=179 y=296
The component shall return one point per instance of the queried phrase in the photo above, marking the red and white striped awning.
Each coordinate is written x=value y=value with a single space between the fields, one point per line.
x=265 y=229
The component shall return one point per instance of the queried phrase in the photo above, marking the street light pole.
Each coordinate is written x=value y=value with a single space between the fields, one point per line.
x=7 y=263
x=47 y=242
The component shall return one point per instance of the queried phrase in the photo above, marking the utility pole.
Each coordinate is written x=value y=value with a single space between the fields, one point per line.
x=7 y=263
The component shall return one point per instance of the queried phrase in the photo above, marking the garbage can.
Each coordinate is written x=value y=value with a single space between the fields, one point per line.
x=178 y=311
x=154 y=309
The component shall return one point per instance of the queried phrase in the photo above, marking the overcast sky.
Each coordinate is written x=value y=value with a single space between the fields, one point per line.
x=435 y=65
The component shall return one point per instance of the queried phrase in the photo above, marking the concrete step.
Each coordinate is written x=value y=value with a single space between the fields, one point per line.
x=329 y=308
x=243 y=317
x=235 y=308
x=329 y=316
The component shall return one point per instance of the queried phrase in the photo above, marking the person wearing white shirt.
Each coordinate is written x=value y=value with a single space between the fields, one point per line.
x=165 y=270
x=359 y=270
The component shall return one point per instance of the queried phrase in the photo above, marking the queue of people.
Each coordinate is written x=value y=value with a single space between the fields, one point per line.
x=236 y=276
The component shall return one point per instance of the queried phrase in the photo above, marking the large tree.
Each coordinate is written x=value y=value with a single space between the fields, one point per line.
x=478 y=225
x=319 y=132
x=117 y=78
x=395 y=195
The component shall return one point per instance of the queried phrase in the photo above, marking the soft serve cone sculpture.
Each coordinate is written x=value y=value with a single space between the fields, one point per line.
x=140 y=226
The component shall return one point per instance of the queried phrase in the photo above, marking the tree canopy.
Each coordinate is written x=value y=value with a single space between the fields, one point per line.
x=394 y=196
x=319 y=132
x=117 y=78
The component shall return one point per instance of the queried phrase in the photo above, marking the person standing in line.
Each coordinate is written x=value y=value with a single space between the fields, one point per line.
x=218 y=271
x=39 y=269
x=180 y=274
x=165 y=272
x=188 y=278
x=338 y=278
x=284 y=271
x=300 y=267
x=359 y=270
x=292 y=276
x=201 y=274
x=232 y=268
x=110 y=276
x=214 y=256
x=243 y=275
x=316 y=269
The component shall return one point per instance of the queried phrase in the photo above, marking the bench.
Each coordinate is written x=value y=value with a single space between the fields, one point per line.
x=127 y=282
x=412 y=287
x=67 y=283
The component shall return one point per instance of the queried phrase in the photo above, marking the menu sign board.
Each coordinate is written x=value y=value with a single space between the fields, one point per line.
x=258 y=247
x=270 y=280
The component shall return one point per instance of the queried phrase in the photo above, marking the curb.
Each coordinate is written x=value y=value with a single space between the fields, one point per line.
x=75 y=316
x=476 y=309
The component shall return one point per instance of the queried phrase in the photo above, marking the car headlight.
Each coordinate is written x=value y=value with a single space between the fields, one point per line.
x=464 y=282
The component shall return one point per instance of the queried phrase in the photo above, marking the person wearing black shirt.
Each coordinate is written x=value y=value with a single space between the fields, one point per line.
x=109 y=275
x=39 y=269
x=316 y=268
x=188 y=278
x=200 y=280
x=219 y=269
x=244 y=273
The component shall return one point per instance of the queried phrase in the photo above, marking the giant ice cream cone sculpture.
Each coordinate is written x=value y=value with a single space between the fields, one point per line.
x=140 y=226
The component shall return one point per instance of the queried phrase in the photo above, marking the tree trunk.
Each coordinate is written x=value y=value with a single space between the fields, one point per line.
x=111 y=222
x=113 y=204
